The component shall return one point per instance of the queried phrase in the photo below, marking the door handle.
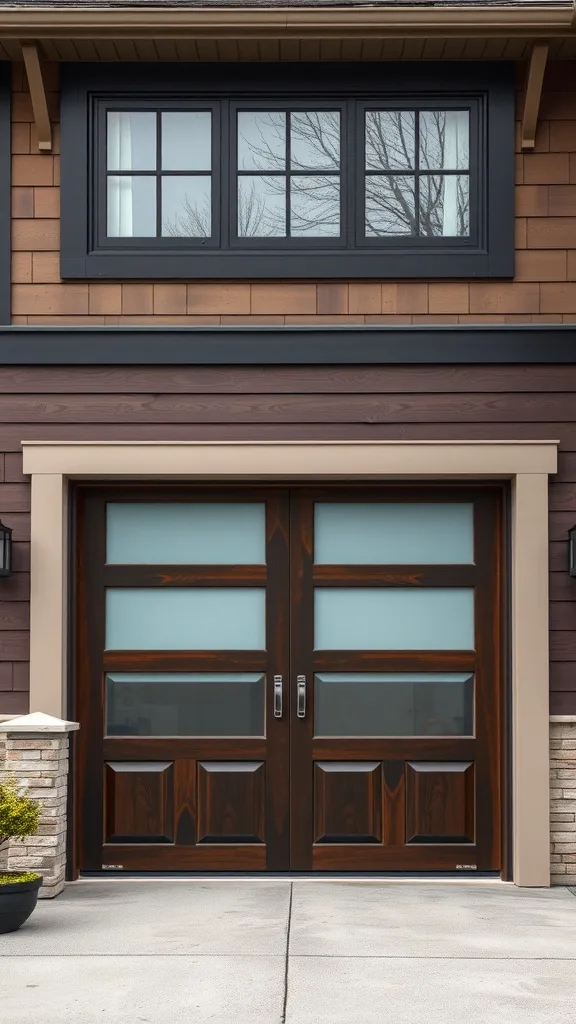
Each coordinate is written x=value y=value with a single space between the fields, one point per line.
x=277 y=696
x=301 y=696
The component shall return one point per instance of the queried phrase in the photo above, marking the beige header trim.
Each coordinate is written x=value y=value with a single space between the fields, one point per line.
x=526 y=464
x=292 y=459
x=544 y=19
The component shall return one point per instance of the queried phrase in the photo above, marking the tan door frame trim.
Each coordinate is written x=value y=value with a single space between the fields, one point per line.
x=526 y=464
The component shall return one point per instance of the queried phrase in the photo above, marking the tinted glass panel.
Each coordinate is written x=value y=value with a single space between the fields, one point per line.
x=315 y=206
x=131 y=206
x=390 y=205
x=261 y=140
x=445 y=205
x=394 y=619
x=393 y=533
x=199 y=533
x=402 y=704
x=315 y=140
x=187 y=140
x=191 y=619
x=175 y=704
x=131 y=141
x=187 y=206
x=390 y=140
x=444 y=140
x=261 y=206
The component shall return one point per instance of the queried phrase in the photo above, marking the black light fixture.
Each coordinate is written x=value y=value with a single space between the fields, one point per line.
x=5 y=550
x=572 y=550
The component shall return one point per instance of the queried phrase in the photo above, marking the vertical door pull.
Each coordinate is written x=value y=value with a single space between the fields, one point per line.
x=301 y=696
x=277 y=696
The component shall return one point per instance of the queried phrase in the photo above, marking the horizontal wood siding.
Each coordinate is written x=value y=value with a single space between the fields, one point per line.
x=207 y=403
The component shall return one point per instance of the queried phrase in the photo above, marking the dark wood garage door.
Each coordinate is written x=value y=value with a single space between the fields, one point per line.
x=274 y=679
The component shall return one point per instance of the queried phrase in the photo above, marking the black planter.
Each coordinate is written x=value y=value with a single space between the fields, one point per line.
x=17 y=901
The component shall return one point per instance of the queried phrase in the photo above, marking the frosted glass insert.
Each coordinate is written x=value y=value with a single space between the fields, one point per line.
x=190 y=619
x=394 y=619
x=192 y=533
x=178 y=704
x=394 y=704
x=393 y=533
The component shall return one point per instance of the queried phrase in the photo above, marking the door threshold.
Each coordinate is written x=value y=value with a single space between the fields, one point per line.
x=352 y=877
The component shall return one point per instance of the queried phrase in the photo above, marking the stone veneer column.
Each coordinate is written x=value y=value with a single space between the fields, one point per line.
x=34 y=749
x=563 y=799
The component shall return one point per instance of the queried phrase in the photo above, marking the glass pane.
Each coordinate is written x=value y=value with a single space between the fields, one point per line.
x=445 y=140
x=261 y=206
x=394 y=619
x=185 y=533
x=315 y=140
x=393 y=533
x=390 y=136
x=131 y=141
x=399 y=704
x=131 y=206
x=187 y=619
x=174 y=704
x=444 y=205
x=390 y=205
x=261 y=140
x=187 y=140
x=187 y=206
x=315 y=206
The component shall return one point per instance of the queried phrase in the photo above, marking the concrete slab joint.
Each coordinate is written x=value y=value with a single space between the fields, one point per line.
x=34 y=748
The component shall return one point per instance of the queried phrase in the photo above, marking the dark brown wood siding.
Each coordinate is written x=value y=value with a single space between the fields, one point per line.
x=210 y=403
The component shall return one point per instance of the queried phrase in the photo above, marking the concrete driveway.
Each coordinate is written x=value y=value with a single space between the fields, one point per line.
x=303 y=952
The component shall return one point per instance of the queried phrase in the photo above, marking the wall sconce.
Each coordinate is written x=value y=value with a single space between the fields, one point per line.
x=5 y=550
x=572 y=551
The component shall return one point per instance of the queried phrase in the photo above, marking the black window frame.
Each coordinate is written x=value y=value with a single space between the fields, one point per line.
x=487 y=89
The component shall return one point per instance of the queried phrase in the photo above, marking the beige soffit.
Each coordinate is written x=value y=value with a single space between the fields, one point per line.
x=526 y=464
x=85 y=22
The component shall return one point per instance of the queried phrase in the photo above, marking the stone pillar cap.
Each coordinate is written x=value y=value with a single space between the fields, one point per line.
x=37 y=722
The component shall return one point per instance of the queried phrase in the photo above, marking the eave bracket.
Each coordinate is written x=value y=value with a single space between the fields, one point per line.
x=533 y=94
x=37 y=88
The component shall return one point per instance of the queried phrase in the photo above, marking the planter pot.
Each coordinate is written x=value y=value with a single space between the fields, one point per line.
x=17 y=901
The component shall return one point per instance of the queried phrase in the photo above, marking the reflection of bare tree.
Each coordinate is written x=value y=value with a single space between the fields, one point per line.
x=391 y=201
x=194 y=220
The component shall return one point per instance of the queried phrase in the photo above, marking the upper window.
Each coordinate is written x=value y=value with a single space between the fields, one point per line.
x=349 y=181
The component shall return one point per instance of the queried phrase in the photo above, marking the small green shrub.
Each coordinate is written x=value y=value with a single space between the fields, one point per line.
x=19 y=814
x=25 y=876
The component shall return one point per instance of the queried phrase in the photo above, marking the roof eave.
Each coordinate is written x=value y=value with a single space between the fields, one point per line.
x=527 y=21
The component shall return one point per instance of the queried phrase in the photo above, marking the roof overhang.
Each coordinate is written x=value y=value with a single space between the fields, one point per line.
x=549 y=20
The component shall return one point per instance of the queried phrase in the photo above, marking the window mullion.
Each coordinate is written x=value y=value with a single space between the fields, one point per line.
x=288 y=178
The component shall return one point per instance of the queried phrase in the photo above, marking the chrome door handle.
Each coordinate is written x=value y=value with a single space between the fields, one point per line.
x=277 y=696
x=301 y=696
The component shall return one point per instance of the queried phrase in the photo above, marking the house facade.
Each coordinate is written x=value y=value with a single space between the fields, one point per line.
x=288 y=430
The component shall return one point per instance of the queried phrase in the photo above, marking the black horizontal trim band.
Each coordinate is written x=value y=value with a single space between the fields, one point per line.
x=291 y=345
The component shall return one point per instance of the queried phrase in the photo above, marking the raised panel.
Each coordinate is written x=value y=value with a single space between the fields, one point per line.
x=231 y=801
x=139 y=802
x=440 y=802
x=347 y=802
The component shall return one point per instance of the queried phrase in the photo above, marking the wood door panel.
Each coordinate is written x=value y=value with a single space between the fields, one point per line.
x=347 y=802
x=139 y=802
x=217 y=857
x=231 y=802
x=440 y=794
x=440 y=801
